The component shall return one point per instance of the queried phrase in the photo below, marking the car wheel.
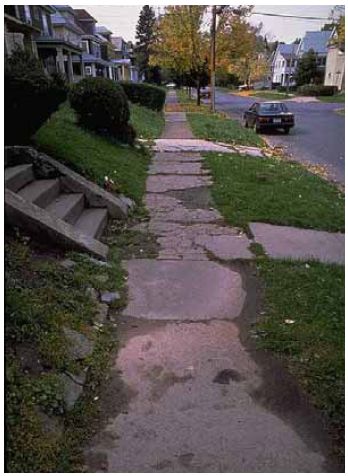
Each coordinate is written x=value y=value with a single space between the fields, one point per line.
x=286 y=130
x=246 y=123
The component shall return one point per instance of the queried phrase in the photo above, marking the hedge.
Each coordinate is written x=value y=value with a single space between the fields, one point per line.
x=102 y=106
x=145 y=94
x=316 y=90
x=30 y=97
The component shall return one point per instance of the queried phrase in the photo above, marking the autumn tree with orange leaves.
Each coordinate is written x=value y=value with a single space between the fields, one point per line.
x=182 y=46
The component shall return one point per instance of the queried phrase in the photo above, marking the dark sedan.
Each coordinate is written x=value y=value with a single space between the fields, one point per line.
x=269 y=115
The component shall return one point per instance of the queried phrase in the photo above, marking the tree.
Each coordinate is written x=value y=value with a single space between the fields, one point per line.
x=145 y=33
x=307 y=71
x=241 y=50
x=181 y=45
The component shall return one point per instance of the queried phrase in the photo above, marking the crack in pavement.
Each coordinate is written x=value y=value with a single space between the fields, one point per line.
x=197 y=395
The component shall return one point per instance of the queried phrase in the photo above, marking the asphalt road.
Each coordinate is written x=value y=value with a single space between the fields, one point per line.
x=318 y=135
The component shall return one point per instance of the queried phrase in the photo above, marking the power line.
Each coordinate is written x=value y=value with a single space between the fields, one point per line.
x=289 y=16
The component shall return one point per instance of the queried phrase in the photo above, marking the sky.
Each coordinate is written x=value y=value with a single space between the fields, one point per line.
x=122 y=20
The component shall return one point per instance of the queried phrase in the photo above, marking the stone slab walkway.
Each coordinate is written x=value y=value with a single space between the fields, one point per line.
x=299 y=244
x=192 y=384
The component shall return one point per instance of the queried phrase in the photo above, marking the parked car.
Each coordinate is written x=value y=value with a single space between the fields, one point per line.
x=245 y=87
x=205 y=93
x=171 y=85
x=269 y=115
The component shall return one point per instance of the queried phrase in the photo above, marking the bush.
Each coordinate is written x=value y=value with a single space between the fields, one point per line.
x=316 y=90
x=144 y=94
x=101 y=105
x=284 y=89
x=30 y=97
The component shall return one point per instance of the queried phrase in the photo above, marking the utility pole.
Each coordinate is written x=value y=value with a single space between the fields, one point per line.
x=212 y=59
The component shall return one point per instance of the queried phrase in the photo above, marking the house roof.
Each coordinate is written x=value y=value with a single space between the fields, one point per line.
x=58 y=18
x=288 y=50
x=316 y=40
x=102 y=30
x=83 y=15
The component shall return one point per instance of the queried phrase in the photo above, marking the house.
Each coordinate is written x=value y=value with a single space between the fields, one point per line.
x=284 y=64
x=107 y=50
x=49 y=33
x=124 y=61
x=23 y=24
x=335 y=64
x=316 y=41
x=59 y=42
x=93 y=62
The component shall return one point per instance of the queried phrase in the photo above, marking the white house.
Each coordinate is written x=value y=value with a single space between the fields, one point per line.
x=284 y=64
x=335 y=64
x=318 y=42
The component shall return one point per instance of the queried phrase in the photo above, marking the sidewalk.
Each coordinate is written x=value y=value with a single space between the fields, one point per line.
x=198 y=399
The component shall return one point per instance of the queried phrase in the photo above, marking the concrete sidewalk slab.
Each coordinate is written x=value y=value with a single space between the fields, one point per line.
x=183 y=290
x=175 y=116
x=190 y=145
x=299 y=244
x=176 y=168
x=165 y=183
x=165 y=208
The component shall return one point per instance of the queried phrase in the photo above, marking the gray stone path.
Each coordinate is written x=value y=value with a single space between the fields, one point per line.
x=299 y=244
x=191 y=381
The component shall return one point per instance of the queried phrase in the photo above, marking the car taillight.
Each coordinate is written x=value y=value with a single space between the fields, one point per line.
x=288 y=119
x=264 y=119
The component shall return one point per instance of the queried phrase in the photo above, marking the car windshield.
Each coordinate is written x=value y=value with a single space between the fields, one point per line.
x=273 y=107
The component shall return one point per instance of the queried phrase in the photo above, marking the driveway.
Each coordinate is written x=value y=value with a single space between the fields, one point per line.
x=318 y=136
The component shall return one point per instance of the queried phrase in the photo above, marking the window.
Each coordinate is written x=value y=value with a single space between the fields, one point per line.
x=27 y=13
x=88 y=70
x=85 y=46
x=273 y=107
x=45 y=25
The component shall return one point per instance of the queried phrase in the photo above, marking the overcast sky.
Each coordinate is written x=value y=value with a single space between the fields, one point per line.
x=123 y=19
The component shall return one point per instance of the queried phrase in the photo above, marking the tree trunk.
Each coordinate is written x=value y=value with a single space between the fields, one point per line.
x=198 y=93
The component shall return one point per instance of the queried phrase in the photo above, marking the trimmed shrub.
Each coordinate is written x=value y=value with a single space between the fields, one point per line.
x=284 y=89
x=145 y=94
x=316 y=90
x=101 y=105
x=30 y=97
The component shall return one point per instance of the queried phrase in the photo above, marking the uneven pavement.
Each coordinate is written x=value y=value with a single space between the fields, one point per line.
x=198 y=400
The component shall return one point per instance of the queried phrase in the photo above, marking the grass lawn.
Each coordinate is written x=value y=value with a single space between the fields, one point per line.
x=310 y=296
x=338 y=98
x=217 y=127
x=271 y=95
x=96 y=157
x=250 y=189
x=148 y=124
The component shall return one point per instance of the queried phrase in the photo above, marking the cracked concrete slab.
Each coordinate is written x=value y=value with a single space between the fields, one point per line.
x=300 y=244
x=177 y=157
x=166 y=183
x=166 y=208
x=189 y=145
x=183 y=290
x=176 y=168
x=182 y=419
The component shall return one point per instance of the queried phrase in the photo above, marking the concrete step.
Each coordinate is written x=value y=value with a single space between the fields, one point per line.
x=41 y=192
x=92 y=221
x=18 y=176
x=67 y=206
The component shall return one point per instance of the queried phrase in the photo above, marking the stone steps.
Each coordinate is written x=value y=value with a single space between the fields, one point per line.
x=67 y=206
x=18 y=176
x=40 y=192
x=55 y=204
x=92 y=221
